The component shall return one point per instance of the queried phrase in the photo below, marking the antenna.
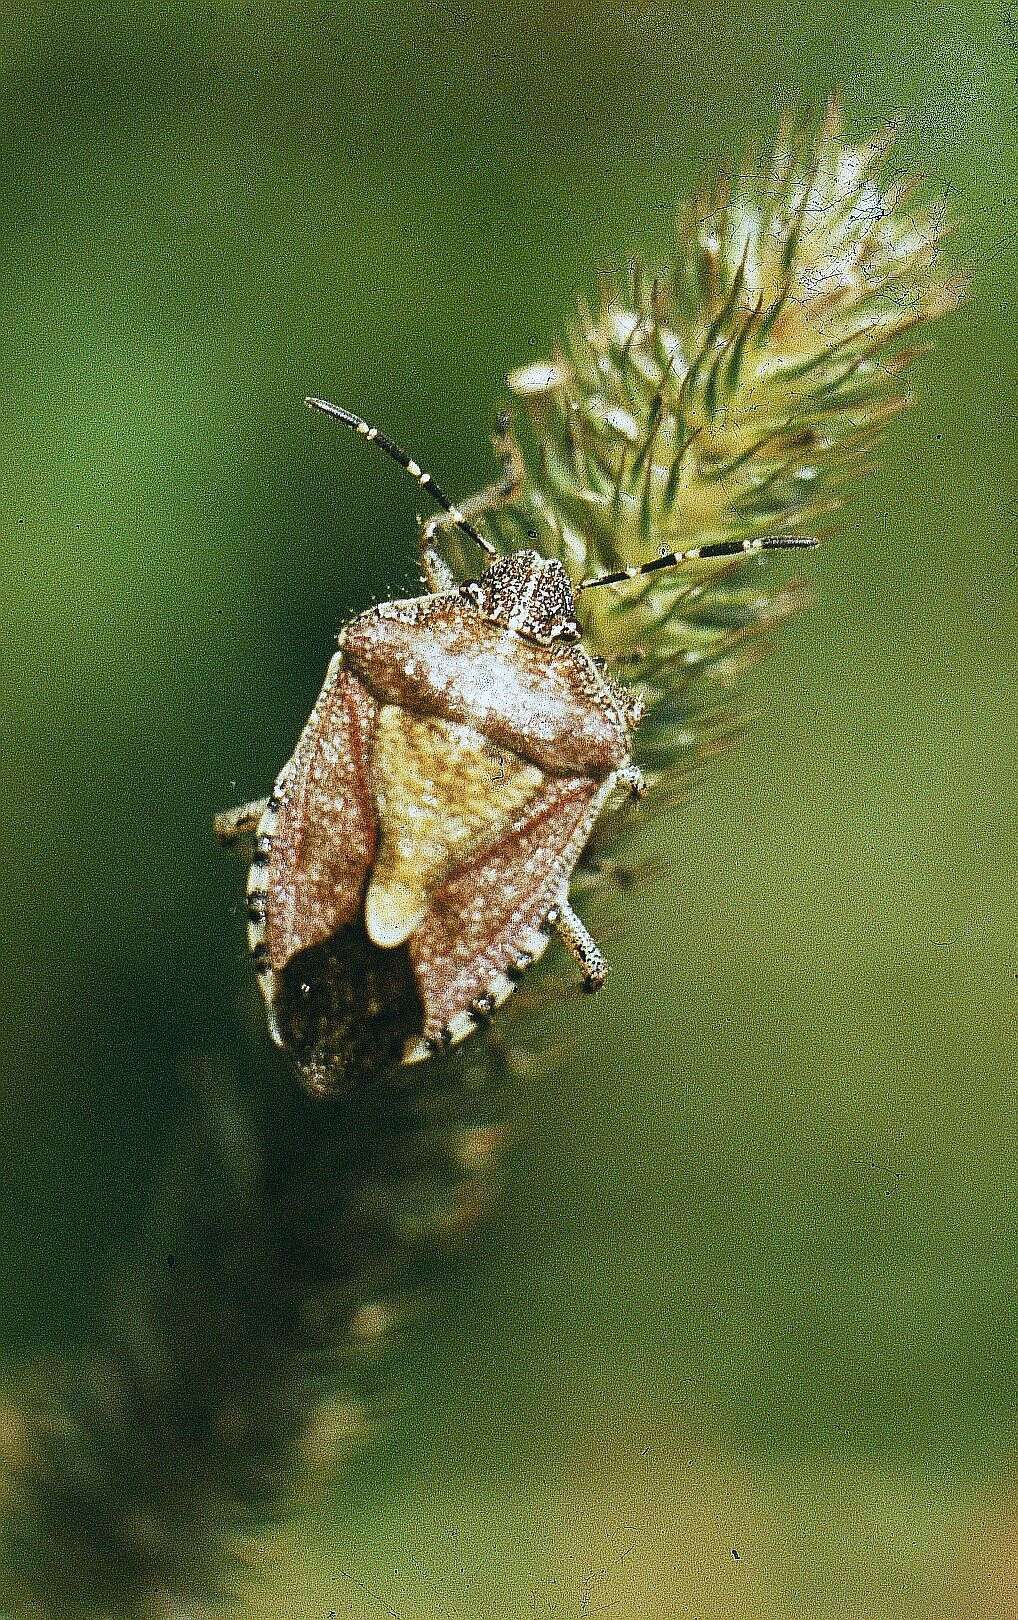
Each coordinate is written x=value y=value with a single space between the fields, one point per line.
x=714 y=548
x=375 y=436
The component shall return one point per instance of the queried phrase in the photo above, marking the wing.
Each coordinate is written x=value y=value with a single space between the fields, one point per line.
x=322 y=845
x=487 y=919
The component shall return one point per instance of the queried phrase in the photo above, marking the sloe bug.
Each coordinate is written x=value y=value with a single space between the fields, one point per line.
x=450 y=774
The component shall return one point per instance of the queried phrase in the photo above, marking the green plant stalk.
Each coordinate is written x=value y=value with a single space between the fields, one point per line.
x=730 y=396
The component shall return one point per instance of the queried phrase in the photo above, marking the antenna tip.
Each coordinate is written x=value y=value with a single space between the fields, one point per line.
x=337 y=412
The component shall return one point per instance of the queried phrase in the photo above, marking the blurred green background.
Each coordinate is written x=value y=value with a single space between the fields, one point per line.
x=754 y=1282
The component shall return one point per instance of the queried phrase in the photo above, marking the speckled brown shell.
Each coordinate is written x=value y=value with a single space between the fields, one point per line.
x=324 y=834
x=443 y=789
x=438 y=655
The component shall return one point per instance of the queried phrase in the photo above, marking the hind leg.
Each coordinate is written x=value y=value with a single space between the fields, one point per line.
x=579 y=942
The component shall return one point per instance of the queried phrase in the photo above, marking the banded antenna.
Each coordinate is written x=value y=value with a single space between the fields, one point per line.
x=375 y=435
x=714 y=548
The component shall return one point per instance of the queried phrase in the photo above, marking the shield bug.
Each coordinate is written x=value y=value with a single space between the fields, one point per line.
x=450 y=775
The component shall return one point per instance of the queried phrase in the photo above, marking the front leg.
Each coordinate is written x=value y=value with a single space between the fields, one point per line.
x=240 y=822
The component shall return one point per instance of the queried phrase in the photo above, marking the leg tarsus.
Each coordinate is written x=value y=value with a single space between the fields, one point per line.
x=580 y=944
x=437 y=574
x=243 y=819
x=631 y=777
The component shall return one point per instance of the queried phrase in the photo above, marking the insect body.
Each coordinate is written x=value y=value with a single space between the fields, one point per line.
x=448 y=779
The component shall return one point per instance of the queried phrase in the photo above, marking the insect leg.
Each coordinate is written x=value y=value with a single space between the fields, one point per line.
x=229 y=825
x=436 y=571
x=631 y=777
x=579 y=943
